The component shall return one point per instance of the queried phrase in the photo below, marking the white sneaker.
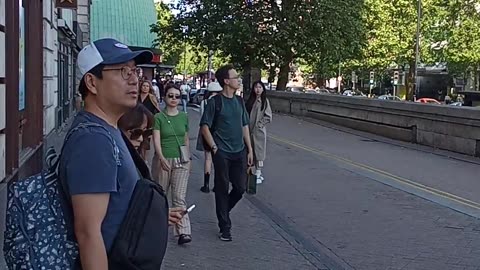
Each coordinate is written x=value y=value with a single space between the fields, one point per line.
x=259 y=180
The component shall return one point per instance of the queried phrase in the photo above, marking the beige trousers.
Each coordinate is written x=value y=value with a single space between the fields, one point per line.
x=174 y=182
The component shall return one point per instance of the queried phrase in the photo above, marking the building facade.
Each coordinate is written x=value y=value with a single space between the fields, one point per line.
x=125 y=20
x=128 y=22
x=39 y=43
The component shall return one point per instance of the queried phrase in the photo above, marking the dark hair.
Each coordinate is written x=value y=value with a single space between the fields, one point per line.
x=82 y=87
x=134 y=118
x=222 y=74
x=170 y=86
x=253 y=97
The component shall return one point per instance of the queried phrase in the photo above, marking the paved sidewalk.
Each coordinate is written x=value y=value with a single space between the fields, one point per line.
x=256 y=244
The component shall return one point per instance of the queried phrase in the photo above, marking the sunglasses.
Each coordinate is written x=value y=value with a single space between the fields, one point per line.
x=172 y=96
x=136 y=133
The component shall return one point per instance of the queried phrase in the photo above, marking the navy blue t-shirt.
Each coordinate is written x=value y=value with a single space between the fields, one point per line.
x=88 y=165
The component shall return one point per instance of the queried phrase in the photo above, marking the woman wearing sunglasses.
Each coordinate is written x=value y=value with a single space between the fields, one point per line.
x=136 y=126
x=171 y=163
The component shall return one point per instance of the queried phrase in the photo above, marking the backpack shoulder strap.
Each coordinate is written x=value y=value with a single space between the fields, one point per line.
x=218 y=108
x=84 y=125
x=242 y=103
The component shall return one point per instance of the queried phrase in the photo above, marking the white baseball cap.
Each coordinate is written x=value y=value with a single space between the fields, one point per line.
x=214 y=87
x=108 y=51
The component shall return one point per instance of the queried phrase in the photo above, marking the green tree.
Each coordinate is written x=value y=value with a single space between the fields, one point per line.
x=167 y=39
x=447 y=35
x=462 y=50
x=177 y=48
x=273 y=33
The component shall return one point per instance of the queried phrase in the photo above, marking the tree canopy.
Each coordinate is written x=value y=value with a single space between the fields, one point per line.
x=359 y=35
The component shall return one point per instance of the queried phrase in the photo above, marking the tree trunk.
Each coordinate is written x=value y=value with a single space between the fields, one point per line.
x=283 y=77
x=320 y=80
x=284 y=72
x=477 y=79
x=250 y=75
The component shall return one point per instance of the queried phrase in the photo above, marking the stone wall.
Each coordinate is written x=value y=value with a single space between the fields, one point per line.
x=455 y=129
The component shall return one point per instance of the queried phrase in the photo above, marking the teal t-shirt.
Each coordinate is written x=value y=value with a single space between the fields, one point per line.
x=179 y=122
x=228 y=133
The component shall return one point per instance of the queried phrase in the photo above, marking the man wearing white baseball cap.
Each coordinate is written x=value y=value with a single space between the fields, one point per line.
x=96 y=168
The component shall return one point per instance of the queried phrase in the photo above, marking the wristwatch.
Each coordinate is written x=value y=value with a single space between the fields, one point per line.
x=214 y=147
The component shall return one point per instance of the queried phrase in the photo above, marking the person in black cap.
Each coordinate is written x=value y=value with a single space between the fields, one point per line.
x=96 y=168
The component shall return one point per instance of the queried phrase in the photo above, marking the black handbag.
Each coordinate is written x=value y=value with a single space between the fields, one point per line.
x=251 y=181
x=141 y=241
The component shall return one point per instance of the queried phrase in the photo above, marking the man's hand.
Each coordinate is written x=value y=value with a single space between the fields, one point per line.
x=175 y=215
x=250 y=158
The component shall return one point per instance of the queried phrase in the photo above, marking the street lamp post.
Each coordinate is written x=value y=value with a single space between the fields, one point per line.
x=417 y=47
x=209 y=75
x=184 y=53
x=339 y=79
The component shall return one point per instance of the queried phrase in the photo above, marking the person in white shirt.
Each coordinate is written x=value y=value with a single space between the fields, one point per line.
x=185 y=89
x=156 y=90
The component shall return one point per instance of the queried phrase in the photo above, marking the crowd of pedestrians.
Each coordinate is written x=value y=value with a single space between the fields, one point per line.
x=107 y=148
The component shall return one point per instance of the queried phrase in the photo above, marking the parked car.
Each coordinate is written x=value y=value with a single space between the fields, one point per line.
x=322 y=91
x=311 y=91
x=428 y=100
x=193 y=92
x=458 y=104
x=389 y=97
x=351 y=93
x=295 y=89
x=198 y=97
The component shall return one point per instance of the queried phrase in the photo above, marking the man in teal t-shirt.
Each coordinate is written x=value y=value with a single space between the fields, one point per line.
x=227 y=138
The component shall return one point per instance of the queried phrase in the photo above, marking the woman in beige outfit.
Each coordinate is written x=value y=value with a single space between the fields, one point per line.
x=260 y=114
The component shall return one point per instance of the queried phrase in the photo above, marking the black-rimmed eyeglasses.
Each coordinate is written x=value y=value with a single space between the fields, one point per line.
x=126 y=71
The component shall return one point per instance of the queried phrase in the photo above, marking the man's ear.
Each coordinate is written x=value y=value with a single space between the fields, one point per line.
x=90 y=82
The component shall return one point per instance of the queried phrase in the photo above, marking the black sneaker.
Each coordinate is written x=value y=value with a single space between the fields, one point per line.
x=226 y=236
